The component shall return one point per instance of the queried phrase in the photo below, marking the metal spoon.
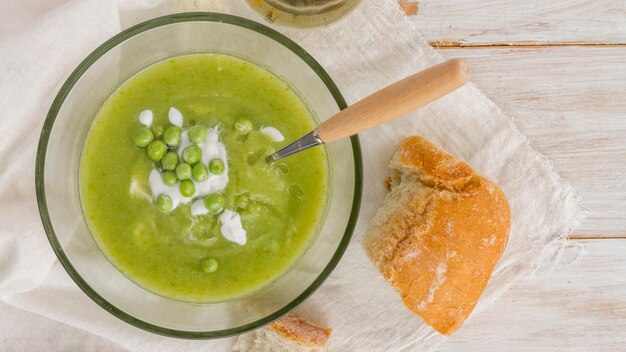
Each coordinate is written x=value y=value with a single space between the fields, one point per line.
x=383 y=106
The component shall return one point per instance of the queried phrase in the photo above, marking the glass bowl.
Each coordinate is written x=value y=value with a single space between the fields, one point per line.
x=70 y=117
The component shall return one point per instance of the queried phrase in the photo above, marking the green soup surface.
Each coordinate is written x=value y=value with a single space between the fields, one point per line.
x=177 y=254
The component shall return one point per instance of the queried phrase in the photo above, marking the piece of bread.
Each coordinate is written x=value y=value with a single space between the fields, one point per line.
x=439 y=234
x=287 y=334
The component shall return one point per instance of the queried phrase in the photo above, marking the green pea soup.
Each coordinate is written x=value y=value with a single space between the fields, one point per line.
x=179 y=255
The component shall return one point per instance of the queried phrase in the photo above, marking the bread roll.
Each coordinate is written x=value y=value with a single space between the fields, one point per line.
x=287 y=334
x=439 y=234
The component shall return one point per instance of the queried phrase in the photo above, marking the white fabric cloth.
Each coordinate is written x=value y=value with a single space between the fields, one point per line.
x=41 y=42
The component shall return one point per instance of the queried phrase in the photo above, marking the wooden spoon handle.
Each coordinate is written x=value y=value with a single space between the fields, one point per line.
x=396 y=100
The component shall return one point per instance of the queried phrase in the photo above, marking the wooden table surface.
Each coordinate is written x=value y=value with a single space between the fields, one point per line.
x=559 y=68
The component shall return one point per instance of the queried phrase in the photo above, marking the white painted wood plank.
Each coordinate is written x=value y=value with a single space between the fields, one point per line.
x=476 y=22
x=581 y=307
x=571 y=103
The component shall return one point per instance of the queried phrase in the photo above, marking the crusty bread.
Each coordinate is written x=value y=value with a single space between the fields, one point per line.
x=287 y=334
x=439 y=234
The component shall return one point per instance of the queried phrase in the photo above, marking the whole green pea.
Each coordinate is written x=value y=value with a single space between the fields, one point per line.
x=187 y=188
x=155 y=150
x=200 y=172
x=214 y=202
x=142 y=136
x=192 y=154
x=164 y=203
x=170 y=160
x=157 y=130
x=242 y=125
x=216 y=166
x=197 y=134
x=171 y=136
x=183 y=171
x=209 y=265
x=295 y=190
x=169 y=178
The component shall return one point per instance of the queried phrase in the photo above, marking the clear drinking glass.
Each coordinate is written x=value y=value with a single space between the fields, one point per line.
x=302 y=13
x=65 y=130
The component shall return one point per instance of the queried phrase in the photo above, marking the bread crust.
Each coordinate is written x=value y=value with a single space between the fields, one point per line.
x=301 y=330
x=439 y=234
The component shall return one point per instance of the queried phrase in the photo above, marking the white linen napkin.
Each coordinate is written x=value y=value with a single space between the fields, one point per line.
x=42 y=42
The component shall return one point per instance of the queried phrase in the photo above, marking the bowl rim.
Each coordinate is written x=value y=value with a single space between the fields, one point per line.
x=62 y=95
